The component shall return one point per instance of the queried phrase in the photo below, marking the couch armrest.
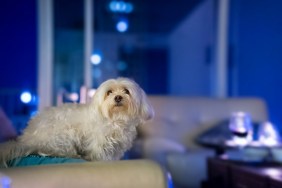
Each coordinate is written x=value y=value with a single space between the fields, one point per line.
x=128 y=173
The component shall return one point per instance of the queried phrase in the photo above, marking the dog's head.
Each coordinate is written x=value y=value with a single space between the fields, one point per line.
x=122 y=98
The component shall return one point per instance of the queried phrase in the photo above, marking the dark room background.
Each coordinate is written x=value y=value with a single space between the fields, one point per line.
x=168 y=50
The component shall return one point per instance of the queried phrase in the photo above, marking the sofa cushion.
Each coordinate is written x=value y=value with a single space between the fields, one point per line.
x=100 y=174
x=182 y=119
x=161 y=145
x=158 y=148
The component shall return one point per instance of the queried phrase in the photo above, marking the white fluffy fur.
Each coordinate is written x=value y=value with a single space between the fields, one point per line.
x=100 y=130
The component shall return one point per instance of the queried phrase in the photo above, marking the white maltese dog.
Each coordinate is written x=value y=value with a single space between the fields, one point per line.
x=100 y=130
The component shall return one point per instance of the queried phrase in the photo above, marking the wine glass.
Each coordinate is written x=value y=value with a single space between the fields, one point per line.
x=240 y=126
x=268 y=134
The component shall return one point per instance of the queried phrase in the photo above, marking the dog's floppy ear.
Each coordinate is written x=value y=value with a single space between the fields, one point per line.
x=146 y=109
x=97 y=100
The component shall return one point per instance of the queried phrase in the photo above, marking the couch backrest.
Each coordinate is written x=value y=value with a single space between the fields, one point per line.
x=182 y=119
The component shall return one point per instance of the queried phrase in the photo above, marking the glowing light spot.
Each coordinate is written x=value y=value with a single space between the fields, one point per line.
x=129 y=8
x=122 y=26
x=272 y=172
x=26 y=97
x=96 y=59
x=121 y=7
x=73 y=97
x=91 y=92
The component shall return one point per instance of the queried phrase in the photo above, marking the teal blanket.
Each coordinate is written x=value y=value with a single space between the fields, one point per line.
x=32 y=160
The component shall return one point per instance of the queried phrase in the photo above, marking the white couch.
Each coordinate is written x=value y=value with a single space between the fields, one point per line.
x=170 y=137
x=104 y=174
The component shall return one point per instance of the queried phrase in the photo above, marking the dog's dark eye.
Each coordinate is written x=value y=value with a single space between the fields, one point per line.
x=126 y=91
x=109 y=92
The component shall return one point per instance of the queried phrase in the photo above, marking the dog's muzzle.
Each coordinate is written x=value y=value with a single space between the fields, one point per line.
x=118 y=100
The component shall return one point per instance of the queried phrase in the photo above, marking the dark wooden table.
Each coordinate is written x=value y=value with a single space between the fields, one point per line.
x=235 y=174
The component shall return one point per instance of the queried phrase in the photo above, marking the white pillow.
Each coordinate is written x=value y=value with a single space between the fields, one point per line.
x=151 y=146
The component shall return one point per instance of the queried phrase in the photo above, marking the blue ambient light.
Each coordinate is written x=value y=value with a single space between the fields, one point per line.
x=96 y=59
x=122 y=26
x=121 y=7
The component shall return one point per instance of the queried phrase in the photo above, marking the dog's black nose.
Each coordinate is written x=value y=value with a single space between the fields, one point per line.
x=118 y=98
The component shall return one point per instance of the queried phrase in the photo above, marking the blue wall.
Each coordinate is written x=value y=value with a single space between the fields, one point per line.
x=18 y=46
x=190 y=66
x=257 y=39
